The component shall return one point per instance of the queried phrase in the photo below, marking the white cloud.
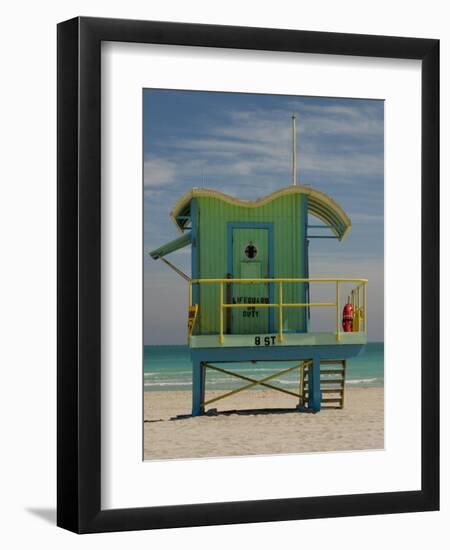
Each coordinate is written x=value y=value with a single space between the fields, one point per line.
x=339 y=120
x=158 y=171
x=258 y=143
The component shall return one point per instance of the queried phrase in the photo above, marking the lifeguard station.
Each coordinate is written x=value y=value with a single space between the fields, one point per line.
x=251 y=294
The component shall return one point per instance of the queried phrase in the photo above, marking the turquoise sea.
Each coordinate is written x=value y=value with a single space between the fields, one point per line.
x=168 y=368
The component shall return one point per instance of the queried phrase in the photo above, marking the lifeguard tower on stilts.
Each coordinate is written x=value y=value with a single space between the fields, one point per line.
x=250 y=291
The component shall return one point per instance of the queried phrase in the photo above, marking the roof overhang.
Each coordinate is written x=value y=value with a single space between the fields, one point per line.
x=171 y=246
x=320 y=205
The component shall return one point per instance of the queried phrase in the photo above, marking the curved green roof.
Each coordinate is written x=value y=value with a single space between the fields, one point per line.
x=320 y=205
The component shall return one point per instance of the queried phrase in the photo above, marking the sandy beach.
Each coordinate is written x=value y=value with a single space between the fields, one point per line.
x=169 y=431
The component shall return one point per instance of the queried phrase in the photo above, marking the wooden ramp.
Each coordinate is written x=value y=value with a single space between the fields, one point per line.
x=332 y=384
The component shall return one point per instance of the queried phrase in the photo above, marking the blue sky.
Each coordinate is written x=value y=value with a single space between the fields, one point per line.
x=241 y=144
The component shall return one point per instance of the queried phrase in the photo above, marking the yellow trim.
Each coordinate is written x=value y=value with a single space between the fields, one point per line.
x=338 y=336
x=309 y=304
x=221 y=313
x=280 y=311
x=283 y=280
x=192 y=316
x=357 y=317
x=317 y=202
x=365 y=307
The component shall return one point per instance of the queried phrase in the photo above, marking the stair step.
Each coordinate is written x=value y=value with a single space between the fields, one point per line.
x=332 y=371
x=334 y=381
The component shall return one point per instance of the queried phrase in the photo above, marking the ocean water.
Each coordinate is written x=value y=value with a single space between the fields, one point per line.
x=168 y=368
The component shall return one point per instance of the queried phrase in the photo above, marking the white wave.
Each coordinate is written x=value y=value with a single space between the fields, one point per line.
x=163 y=371
x=160 y=384
x=361 y=381
x=227 y=381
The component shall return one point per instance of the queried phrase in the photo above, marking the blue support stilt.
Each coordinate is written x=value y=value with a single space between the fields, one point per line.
x=314 y=396
x=198 y=388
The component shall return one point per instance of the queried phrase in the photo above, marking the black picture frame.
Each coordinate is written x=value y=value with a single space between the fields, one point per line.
x=79 y=275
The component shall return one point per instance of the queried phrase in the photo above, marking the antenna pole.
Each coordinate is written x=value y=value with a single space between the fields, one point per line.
x=294 y=152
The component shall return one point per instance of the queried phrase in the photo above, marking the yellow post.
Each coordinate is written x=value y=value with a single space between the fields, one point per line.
x=344 y=369
x=280 y=311
x=300 y=389
x=189 y=310
x=338 y=336
x=365 y=308
x=358 y=318
x=221 y=339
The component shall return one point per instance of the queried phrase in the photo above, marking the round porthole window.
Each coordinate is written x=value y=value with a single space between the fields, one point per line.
x=251 y=251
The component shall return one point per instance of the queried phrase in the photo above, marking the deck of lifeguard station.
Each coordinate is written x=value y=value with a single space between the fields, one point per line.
x=292 y=339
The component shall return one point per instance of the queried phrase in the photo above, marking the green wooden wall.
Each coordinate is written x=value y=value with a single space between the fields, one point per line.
x=288 y=216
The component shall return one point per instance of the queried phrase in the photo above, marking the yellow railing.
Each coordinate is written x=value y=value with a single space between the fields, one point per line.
x=358 y=302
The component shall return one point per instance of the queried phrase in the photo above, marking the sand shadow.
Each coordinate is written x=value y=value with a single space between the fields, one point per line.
x=245 y=412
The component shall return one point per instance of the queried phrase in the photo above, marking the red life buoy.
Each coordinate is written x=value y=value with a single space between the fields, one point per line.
x=347 y=318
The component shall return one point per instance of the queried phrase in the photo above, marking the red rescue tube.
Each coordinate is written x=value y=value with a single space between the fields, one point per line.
x=347 y=318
